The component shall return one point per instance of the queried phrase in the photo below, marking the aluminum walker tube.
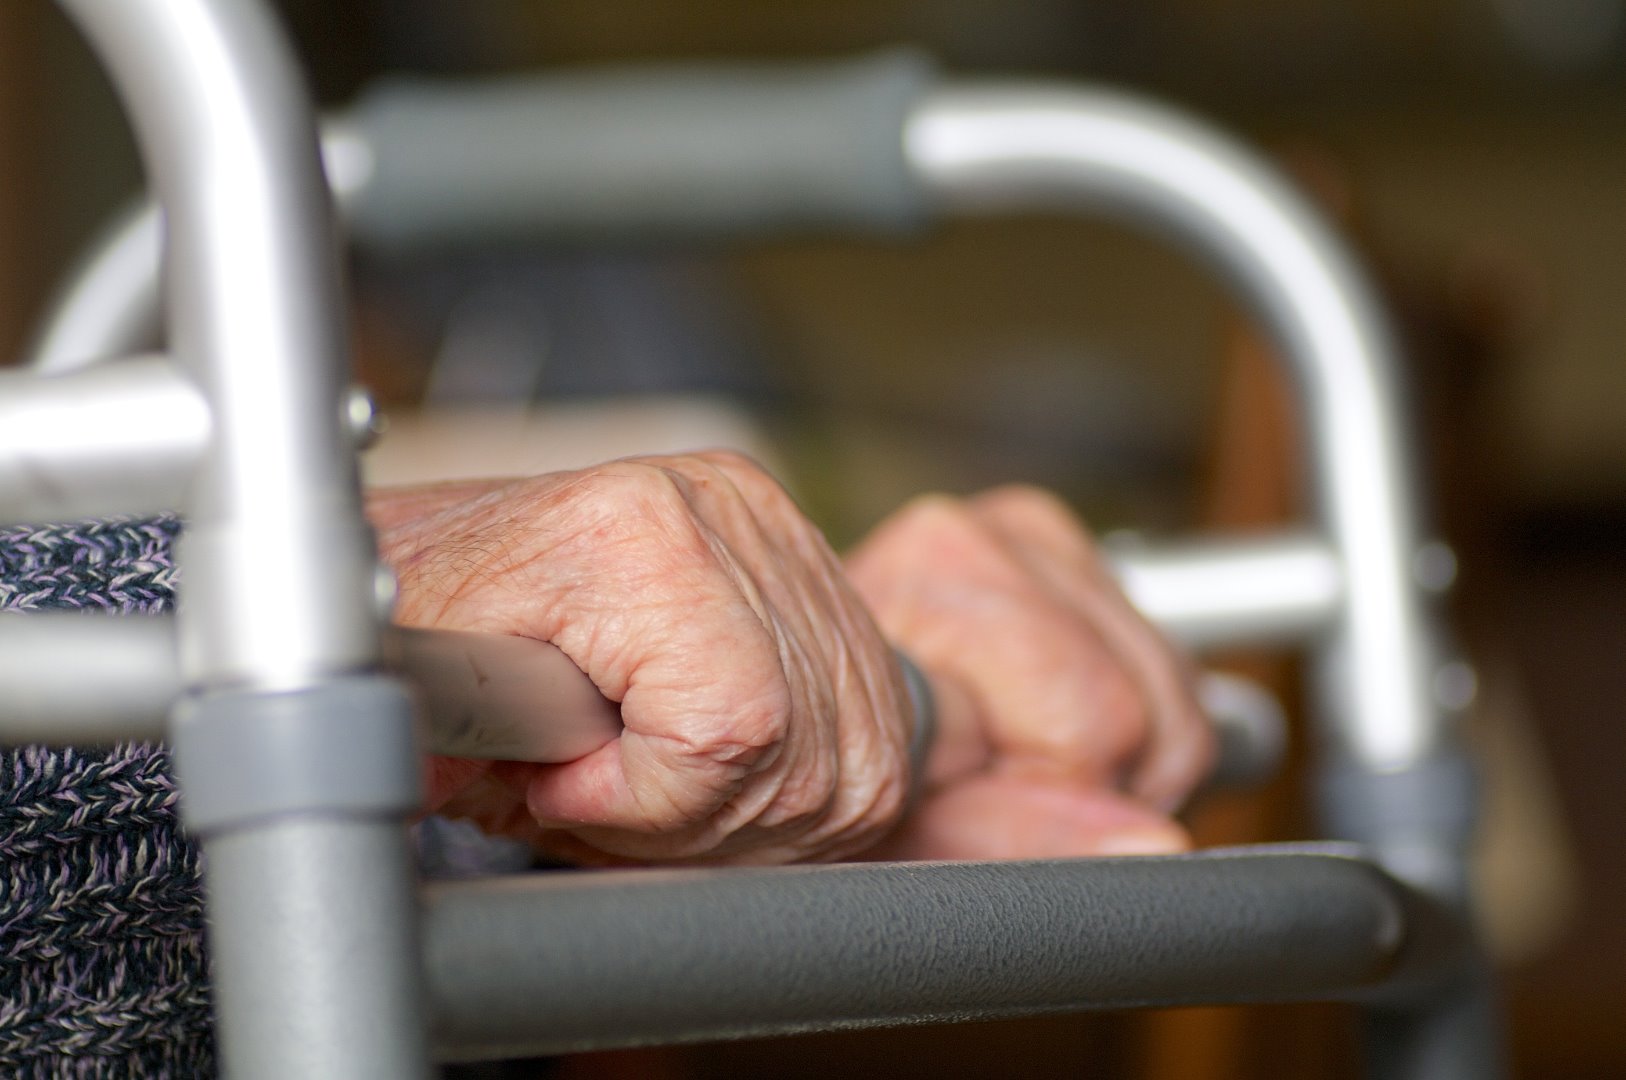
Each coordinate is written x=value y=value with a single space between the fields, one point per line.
x=109 y=302
x=312 y=917
x=106 y=439
x=1004 y=147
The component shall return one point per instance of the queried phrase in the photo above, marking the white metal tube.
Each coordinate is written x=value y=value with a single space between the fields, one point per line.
x=1036 y=147
x=256 y=317
x=109 y=303
x=312 y=915
x=85 y=680
x=1234 y=590
x=115 y=438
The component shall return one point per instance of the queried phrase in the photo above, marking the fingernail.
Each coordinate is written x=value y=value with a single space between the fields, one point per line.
x=1164 y=841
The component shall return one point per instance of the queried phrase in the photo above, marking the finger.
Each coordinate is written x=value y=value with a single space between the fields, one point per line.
x=493 y=801
x=445 y=777
x=959 y=600
x=691 y=740
x=1058 y=549
x=1008 y=816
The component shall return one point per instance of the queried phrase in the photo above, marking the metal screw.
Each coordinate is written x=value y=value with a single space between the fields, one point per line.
x=386 y=589
x=1455 y=686
x=367 y=423
x=1435 y=567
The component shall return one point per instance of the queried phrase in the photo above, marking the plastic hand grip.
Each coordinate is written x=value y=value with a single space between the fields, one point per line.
x=492 y=696
x=511 y=698
x=701 y=150
x=496 y=697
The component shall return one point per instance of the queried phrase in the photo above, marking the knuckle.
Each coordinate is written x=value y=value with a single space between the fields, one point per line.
x=1123 y=721
x=732 y=462
x=934 y=510
x=747 y=478
x=618 y=501
x=1030 y=498
x=643 y=516
x=651 y=483
x=755 y=718
x=1038 y=509
x=939 y=525
x=665 y=491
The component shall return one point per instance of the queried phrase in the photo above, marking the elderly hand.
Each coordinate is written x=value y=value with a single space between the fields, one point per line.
x=765 y=718
x=1066 y=724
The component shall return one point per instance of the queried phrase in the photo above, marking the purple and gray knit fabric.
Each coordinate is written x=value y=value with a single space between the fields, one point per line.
x=102 y=962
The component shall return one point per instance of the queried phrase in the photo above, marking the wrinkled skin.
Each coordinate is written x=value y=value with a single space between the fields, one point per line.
x=1066 y=724
x=765 y=716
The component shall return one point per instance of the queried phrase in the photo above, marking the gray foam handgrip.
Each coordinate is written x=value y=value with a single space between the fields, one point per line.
x=713 y=150
x=505 y=698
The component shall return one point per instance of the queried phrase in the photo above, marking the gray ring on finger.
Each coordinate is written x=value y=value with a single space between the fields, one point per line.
x=924 y=709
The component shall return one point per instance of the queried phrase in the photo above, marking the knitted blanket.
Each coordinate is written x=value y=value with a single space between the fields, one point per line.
x=102 y=962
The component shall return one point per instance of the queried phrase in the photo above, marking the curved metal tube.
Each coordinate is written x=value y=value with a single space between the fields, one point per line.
x=1003 y=147
x=108 y=305
x=311 y=915
x=255 y=321
x=256 y=317
x=72 y=679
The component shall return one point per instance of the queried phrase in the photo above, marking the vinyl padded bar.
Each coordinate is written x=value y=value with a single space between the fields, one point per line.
x=572 y=961
x=703 y=150
x=999 y=147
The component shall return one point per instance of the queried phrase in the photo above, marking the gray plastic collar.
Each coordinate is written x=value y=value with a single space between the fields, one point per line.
x=246 y=756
